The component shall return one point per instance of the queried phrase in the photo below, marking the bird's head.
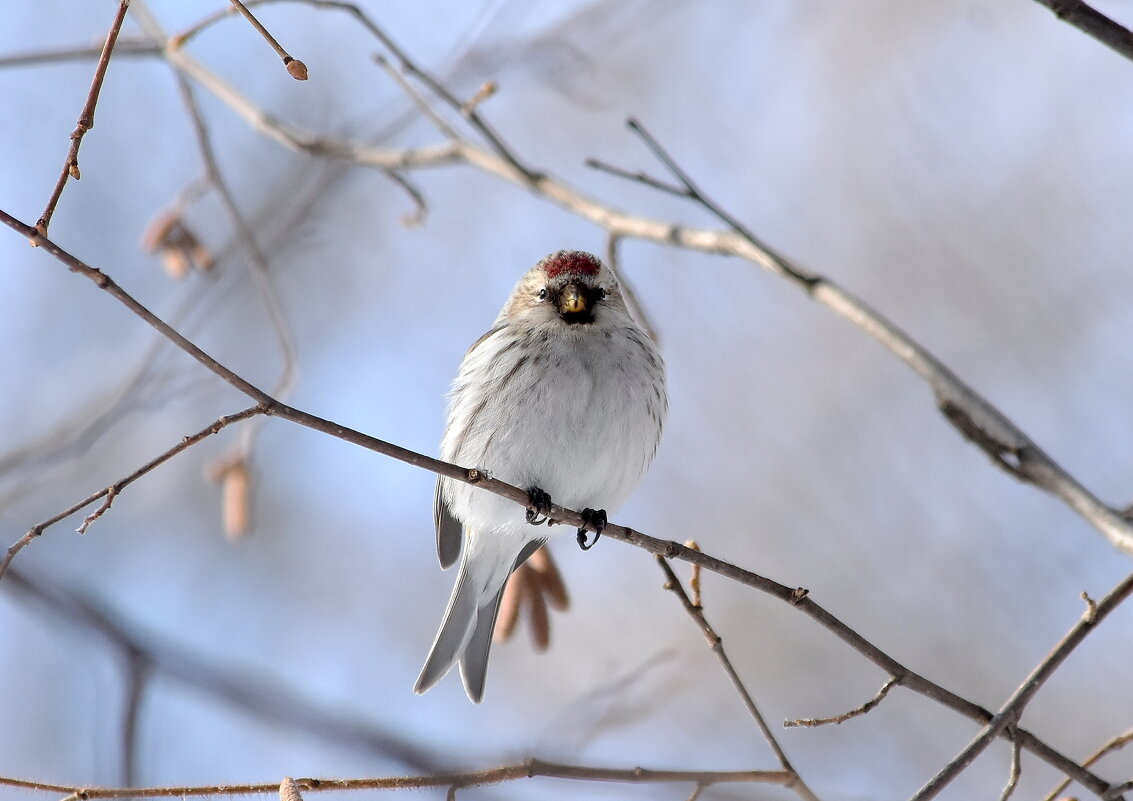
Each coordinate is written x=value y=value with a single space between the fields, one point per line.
x=571 y=287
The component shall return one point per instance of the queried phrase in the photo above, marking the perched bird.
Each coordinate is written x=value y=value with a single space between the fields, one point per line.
x=565 y=397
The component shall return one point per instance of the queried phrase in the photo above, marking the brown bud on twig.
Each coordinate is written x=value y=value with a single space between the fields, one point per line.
x=486 y=90
x=296 y=69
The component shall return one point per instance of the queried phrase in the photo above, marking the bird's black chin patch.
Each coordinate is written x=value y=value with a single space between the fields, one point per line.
x=575 y=318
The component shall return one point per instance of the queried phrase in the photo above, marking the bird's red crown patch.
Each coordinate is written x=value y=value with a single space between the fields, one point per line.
x=571 y=261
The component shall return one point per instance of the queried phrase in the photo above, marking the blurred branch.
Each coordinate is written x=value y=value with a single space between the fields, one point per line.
x=147 y=656
x=716 y=644
x=971 y=414
x=1010 y=713
x=124 y=47
x=1093 y=23
x=86 y=118
x=109 y=493
x=796 y=597
x=528 y=769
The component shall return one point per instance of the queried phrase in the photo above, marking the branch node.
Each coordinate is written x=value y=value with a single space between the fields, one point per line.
x=1091 y=613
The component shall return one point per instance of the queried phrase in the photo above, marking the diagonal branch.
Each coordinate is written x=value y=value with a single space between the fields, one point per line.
x=86 y=118
x=716 y=643
x=796 y=597
x=974 y=416
x=1093 y=23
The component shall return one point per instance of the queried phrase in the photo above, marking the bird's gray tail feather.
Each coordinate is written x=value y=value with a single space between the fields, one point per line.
x=466 y=632
x=456 y=628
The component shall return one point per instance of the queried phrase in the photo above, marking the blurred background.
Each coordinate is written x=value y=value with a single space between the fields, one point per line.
x=965 y=167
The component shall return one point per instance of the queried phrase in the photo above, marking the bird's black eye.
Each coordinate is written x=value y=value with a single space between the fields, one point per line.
x=543 y=293
x=601 y=293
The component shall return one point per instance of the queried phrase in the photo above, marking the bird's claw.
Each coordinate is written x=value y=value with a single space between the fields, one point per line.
x=539 y=503
x=592 y=517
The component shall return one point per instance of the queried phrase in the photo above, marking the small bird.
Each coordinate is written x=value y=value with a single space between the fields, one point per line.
x=565 y=397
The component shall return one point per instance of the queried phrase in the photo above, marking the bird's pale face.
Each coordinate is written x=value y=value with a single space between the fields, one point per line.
x=569 y=288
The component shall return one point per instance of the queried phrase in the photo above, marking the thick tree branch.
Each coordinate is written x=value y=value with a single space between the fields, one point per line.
x=1093 y=23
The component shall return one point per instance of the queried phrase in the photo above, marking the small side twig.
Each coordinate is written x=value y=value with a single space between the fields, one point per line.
x=716 y=643
x=86 y=119
x=1016 y=771
x=110 y=492
x=628 y=292
x=295 y=68
x=853 y=713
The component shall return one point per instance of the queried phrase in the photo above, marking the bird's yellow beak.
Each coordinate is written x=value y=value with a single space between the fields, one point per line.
x=572 y=301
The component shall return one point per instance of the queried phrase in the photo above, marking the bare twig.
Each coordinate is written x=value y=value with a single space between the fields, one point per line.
x=628 y=293
x=716 y=643
x=86 y=118
x=110 y=492
x=1093 y=23
x=1114 y=744
x=295 y=68
x=1009 y=714
x=1016 y=772
x=528 y=769
x=853 y=713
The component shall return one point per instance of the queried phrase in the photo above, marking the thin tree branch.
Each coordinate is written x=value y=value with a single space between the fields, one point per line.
x=1009 y=714
x=797 y=597
x=853 y=713
x=1093 y=23
x=295 y=68
x=109 y=493
x=528 y=769
x=86 y=118
x=716 y=644
x=1016 y=772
